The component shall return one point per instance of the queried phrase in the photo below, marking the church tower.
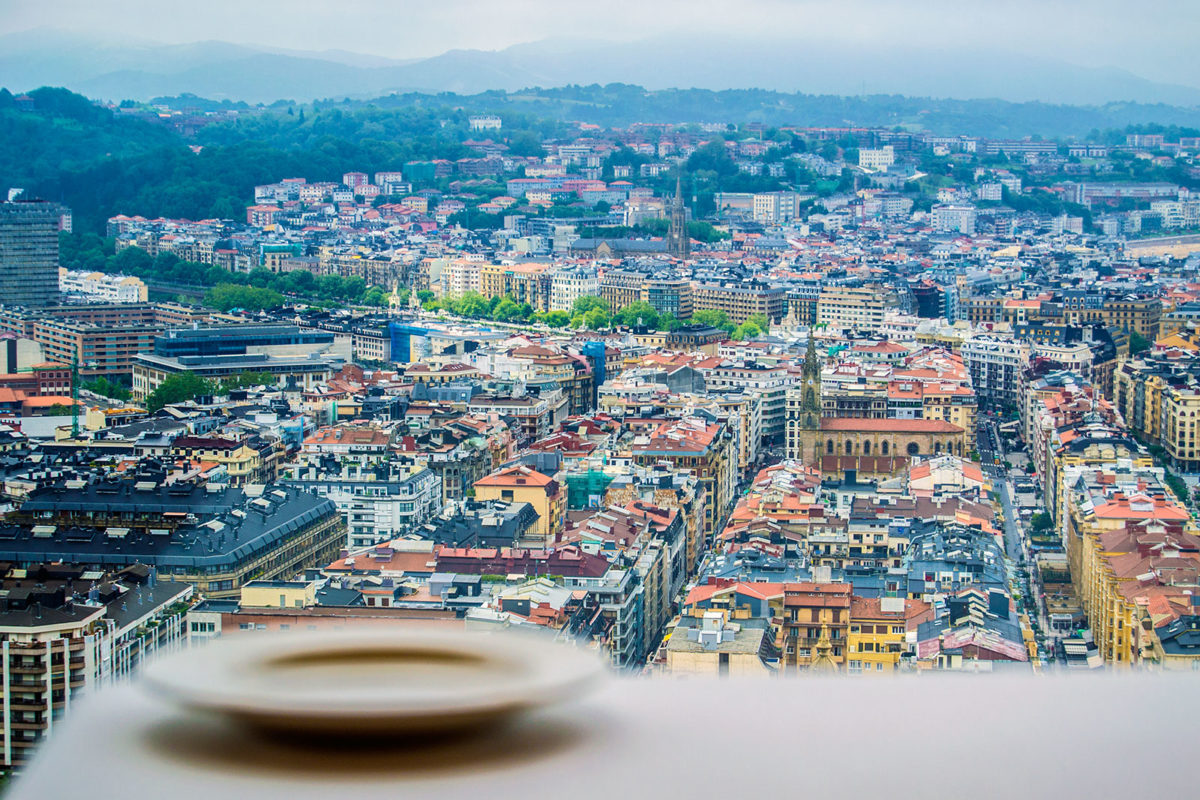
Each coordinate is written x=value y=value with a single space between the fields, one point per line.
x=810 y=403
x=679 y=244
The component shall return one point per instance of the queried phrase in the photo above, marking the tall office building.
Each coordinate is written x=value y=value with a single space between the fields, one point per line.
x=29 y=253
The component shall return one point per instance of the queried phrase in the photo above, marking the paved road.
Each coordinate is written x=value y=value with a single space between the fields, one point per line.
x=990 y=447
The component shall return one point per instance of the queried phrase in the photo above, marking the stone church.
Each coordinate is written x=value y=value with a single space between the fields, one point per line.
x=859 y=447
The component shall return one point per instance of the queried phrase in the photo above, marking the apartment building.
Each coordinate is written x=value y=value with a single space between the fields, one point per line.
x=859 y=309
x=739 y=300
x=669 y=296
x=524 y=283
x=102 y=288
x=769 y=383
x=213 y=540
x=816 y=622
x=877 y=159
x=103 y=339
x=996 y=366
x=620 y=288
x=29 y=253
x=522 y=484
x=378 y=505
x=568 y=284
x=704 y=448
x=66 y=630
x=946 y=218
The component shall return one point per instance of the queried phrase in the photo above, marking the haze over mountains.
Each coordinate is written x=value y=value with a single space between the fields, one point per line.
x=141 y=70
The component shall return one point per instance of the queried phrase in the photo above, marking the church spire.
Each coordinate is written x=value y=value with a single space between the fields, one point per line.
x=678 y=241
x=811 y=367
x=823 y=660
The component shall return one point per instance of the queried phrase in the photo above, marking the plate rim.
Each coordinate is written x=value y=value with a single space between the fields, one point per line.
x=555 y=669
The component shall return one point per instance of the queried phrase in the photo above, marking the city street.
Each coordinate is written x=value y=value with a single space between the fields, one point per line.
x=1023 y=568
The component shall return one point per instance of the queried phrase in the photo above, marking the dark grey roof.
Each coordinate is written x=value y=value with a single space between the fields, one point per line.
x=213 y=538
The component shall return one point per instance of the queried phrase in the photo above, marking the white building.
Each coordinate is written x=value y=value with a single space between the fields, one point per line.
x=569 y=284
x=101 y=288
x=485 y=122
x=953 y=219
x=377 y=508
x=877 y=160
x=992 y=191
x=775 y=208
x=995 y=366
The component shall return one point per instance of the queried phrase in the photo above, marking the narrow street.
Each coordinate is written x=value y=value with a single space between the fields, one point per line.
x=1022 y=568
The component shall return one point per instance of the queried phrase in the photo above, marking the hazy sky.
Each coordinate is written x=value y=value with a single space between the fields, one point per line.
x=1153 y=40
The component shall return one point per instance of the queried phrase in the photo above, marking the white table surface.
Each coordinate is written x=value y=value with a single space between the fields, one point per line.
x=927 y=736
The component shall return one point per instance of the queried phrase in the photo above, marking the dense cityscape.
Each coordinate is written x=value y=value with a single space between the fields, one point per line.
x=707 y=398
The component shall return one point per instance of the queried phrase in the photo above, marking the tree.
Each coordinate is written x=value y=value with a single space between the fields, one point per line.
x=1040 y=522
x=747 y=330
x=557 y=319
x=375 y=296
x=131 y=261
x=668 y=322
x=760 y=321
x=178 y=388
x=1138 y=343
x=247 y=379
x=637 y=313
x=713 y=318
x=526 y=143
x=228 y=296
x=506 y=311
x=595 y=319
x=472 y=304
x=106 y=388
x=424 y=296
x=587 y=302
x=1177 y=486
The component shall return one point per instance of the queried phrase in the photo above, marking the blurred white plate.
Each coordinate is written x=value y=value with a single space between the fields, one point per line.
x=366 y=684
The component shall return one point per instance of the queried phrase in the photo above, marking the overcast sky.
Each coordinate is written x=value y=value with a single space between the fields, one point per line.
x=1154 y=40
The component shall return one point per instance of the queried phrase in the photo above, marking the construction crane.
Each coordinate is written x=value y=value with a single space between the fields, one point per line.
x=75 y=397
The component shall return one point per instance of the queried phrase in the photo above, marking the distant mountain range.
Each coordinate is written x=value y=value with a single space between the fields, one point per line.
x=141 y=70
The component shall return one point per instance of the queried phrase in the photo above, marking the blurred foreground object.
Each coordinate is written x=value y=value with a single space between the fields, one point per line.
x=634 y=739
x=377 y=683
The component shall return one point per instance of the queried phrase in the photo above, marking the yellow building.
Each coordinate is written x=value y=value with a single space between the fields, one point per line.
x=279 y=594
x=878 y=633
x=1180 y=405
x=1108 y=568
x=1083 y=452
x=951 y=402
x=242 y=463
x=524 y=283
x=521 y=484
